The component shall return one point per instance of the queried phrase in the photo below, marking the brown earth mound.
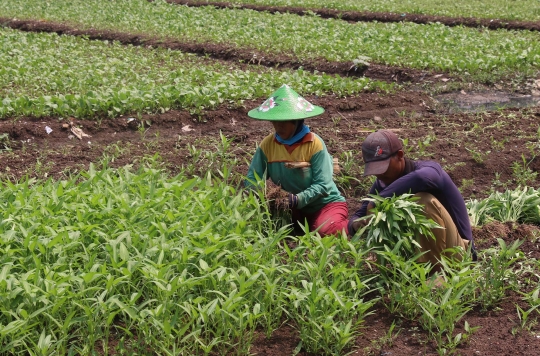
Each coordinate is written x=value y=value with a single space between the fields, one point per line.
x=365 y=16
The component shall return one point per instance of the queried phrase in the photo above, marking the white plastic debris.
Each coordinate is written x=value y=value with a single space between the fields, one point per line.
x=130 y=119
x=233 y=122
x=186 y=128
x=48 y=129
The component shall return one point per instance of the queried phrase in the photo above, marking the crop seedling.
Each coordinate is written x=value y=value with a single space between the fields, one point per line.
x=327 y=309
x=524 y=322
x=5 y=144
x=404 y=281
x=523 y=315
x=93 y=79
x=448 y=304
x=424 y=143
x=516 y=205
x=147 y=253
x=479 y=211
x=466 y=184
x=523 y=174
x=460 y=8
x=348 y=172
x=478 y=156
x=494 y=275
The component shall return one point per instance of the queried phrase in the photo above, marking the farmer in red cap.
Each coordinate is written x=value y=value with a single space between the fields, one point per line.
x=297 y=160
x=443 y=203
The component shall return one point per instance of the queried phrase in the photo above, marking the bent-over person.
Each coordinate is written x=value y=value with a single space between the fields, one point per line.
x=384 y=158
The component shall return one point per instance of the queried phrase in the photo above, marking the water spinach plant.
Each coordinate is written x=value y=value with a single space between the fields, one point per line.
x=394 y=224
x=175 y=264
x=528 y=9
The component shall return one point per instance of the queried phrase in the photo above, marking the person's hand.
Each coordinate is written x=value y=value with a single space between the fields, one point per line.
x=287 y=200
x=358 y=224
x=361 y=223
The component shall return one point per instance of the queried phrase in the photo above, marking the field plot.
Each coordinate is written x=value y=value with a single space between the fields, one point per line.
x=44 y=74
x=499 y=9
x=138 y=238
x=485 y=56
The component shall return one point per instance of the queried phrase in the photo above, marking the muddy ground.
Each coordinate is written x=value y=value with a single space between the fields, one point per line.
x=482 y=151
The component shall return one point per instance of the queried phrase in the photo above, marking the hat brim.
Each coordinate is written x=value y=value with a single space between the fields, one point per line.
x=376 y=167
x=286 y=116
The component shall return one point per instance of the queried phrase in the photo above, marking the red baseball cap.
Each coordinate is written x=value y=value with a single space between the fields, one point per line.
x=377 y=149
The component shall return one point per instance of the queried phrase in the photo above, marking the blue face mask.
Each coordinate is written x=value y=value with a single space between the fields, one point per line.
x=301 y=131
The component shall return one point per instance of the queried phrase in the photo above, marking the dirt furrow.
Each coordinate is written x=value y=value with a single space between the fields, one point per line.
x=367 y=16
x=249 y=56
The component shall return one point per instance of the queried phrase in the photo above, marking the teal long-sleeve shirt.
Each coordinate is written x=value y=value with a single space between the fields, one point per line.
x=313 y=185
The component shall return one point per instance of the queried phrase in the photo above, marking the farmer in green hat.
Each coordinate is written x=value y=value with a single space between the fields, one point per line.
x=297 y=160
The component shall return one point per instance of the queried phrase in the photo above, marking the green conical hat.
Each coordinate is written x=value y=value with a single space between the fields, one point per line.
x=285 y=104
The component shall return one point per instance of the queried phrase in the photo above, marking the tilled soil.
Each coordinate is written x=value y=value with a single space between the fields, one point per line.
x=365 y=16
x=481 y=151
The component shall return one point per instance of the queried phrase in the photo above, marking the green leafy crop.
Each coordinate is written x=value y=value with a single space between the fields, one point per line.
x=175 y=265
x=47 y=74
x=395 y=224
x=481 y=55
x=511 y=10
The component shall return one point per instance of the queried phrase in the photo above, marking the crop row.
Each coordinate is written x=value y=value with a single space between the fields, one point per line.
x=495 y=9
x=484 y=55
x=194 y=266
x=47 y=74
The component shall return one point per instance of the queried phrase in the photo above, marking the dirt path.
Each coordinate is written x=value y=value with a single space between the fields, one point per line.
x=366 y=16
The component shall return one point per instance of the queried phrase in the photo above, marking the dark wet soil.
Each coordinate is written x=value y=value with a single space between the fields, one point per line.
x=481 y=151
x=365 y=16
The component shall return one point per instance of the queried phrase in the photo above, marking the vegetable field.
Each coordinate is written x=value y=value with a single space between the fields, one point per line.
x=124 y=142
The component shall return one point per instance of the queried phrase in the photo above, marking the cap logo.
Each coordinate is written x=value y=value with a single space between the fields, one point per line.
x=378 y=151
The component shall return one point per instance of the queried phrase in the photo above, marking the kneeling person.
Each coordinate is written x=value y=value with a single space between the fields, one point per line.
x=297 y=160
